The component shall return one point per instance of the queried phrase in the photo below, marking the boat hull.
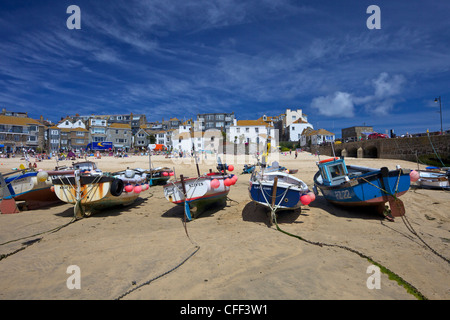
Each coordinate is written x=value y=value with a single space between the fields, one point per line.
x=372 y=189
x=285 y=198
x=97 y=192
x=289 y=190
x=199 y=192
x=434 y=180
x=27 y=187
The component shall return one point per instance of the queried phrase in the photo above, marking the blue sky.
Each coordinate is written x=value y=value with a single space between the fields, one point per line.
x=178 y=58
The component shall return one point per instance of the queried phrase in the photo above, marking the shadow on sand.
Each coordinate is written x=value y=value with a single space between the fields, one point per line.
x=178 y=211
x=255 y=212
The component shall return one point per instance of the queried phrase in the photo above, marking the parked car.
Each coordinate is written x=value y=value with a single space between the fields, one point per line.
x=377 y=135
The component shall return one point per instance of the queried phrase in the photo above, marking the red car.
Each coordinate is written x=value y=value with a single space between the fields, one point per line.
x=377 y=135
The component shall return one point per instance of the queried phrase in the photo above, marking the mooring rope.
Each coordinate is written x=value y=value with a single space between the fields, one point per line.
x=408 y=224
x=3 y=256
x=197 y=247
x=409 y=287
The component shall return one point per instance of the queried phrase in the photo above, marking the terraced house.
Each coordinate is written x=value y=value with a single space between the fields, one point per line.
x=120 y=134
x=18 y=131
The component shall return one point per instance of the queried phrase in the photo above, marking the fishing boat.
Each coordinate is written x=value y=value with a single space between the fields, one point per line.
x=25 y=185
x=199 y=192
x=434 y=178
x=280 y=189
x=276 y=167
x=88 y=188
x=349 y=185
x=159 y=175
x=248 y=168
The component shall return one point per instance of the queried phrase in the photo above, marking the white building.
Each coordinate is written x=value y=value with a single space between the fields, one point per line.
x=190 y=134
x=292 y=116
x=69 y=123
x=252 y=133
x=316 y=137
x=296 y=128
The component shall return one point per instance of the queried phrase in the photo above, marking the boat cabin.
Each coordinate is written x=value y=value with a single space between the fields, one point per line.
x=333 y=172
x=85 y=166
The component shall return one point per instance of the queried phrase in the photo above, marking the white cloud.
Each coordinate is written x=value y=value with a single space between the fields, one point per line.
x=339 y=104
x=380 y=103
x=386 y=86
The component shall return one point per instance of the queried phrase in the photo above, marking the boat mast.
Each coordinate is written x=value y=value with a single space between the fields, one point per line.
x=194 y=152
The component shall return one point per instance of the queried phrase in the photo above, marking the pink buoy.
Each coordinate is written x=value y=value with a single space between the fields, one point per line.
x=414 y=176
x=305 y=199
x=137 y=189
x=171 y=173
x=128 y=188
x=230 y=167
x=228 y=182
x=312 y=196
x=165 y=174
x=215 y=183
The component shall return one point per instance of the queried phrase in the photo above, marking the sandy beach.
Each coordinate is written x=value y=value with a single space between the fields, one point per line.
x=232 y=252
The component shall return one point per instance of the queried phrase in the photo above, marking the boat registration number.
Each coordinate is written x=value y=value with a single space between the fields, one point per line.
x=343 y=194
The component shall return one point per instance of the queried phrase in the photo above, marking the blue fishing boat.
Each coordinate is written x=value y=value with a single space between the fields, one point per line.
x=248 y=168
x=285 y=194
x=278 y=190
x=349 y=185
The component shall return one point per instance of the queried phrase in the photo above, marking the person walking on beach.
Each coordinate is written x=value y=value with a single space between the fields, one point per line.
x=295 y=154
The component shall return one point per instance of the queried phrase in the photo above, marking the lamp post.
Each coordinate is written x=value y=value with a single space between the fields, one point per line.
x=440 y=110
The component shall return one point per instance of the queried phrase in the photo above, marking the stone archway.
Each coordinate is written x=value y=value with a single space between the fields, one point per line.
x=371 y=152
x=352 y=152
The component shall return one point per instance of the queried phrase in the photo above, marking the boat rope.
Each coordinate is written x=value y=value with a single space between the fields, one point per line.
x=408 y=224
x=411 y=229
x=159 y=276
x=409 y=287
x=197 y=247
x=28 y=243
x=388 y=193
x=435 y=150
x=276 y=206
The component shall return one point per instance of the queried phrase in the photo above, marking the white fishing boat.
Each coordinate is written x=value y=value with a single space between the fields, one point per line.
x=199 y=192
x=434 y=178
x=89 y=189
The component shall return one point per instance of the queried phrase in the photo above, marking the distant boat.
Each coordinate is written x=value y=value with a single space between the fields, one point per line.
x=248 y=168
x=434 y=178
x=28 y=185
x=159 y=175
x=88 y=188
x=348 y=185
